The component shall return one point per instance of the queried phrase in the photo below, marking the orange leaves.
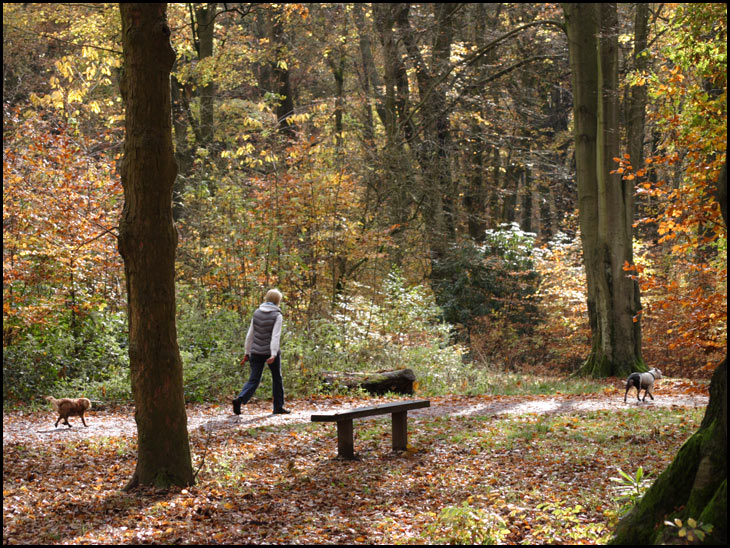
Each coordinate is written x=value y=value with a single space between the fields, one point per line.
x=685 y=309
x=684 y=288
x=59 y=207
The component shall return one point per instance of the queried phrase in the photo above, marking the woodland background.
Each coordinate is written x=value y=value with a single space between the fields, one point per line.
x=403 y=173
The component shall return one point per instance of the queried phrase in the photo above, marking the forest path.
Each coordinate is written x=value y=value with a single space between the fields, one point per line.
x=37 y=427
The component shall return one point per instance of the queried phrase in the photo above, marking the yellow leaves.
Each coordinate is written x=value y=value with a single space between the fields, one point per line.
x=298 y=118
x=90 y=53
x=268 y=156
x=76 y=96
x=56 y=99
x=65 y=68
x=253 y=123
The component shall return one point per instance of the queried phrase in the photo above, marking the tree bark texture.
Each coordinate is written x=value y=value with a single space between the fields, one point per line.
x=605 y=199
x=433 y=149
x=147 y=241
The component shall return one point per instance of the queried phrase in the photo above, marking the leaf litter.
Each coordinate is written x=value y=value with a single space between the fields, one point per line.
x=538 y=467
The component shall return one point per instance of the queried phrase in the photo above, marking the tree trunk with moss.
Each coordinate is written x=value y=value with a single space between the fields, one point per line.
x=695 y=483
x=605 y=199
x=147 y=241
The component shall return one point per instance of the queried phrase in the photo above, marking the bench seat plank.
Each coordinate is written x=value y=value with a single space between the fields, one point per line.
x=345 y=437
x=382 y=409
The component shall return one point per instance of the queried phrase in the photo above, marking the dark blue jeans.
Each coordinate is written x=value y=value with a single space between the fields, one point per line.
x=258 y=361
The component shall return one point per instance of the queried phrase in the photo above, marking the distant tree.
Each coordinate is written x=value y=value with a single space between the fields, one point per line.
x=147 y=241
x=605 y=198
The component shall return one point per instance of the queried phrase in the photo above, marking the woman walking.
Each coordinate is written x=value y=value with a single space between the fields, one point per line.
x=262 y=348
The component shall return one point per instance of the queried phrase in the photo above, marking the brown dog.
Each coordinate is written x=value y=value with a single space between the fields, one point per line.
x=68 y=407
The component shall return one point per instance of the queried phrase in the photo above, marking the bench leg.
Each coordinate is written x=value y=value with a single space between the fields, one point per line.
x=400 y=431
x=345 y=442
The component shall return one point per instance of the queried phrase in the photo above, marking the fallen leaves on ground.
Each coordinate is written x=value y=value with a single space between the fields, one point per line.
x=520 y=476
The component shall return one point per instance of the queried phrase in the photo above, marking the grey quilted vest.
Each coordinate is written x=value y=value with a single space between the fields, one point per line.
x=263 y=326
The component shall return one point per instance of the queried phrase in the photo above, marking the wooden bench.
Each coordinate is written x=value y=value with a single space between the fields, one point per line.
x=399 y=411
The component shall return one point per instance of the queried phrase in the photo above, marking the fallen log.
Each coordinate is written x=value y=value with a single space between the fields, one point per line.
x=400 y=381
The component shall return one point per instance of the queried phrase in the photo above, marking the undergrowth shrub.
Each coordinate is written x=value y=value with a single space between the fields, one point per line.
x=563 y=337
x=497 y=277
x=540 y=319
x=58 y=360
x=467 y=525
x=212 y=343
x=396 y=327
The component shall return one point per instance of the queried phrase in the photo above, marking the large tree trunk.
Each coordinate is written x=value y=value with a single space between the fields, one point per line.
x=605 y=199
x=695 y=483
x=147 y=241
x=433 y=147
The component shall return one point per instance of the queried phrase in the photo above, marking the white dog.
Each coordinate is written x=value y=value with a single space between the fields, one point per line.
x=643 y=381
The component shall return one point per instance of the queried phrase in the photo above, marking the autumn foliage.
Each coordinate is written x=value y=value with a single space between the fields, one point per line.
x=682 y=264
x=306 y=202
x=61 y=201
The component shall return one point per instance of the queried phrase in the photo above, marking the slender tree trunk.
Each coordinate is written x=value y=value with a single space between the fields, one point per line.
x=397 y=182
x=205 y=16
x=147 y=241
x=371 y=82
x=535 y=209
x=282 y=77
x=433 y=149
x=336 y=61
x=183 y=154
x=476 y=196
x=605 y=199
x=636 y=111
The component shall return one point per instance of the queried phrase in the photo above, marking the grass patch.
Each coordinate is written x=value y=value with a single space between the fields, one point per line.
x=475 y=379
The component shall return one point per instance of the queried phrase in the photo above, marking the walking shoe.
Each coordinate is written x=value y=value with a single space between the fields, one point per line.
x=237 y=406
x=281 y=411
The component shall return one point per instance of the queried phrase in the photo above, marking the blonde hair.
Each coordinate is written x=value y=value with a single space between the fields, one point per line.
x=273 y=296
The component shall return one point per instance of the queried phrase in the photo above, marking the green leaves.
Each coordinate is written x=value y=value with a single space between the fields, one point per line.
x=693 y=532
x=630 y=488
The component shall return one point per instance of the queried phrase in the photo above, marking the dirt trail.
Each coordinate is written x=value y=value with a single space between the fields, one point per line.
x=37 y=427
